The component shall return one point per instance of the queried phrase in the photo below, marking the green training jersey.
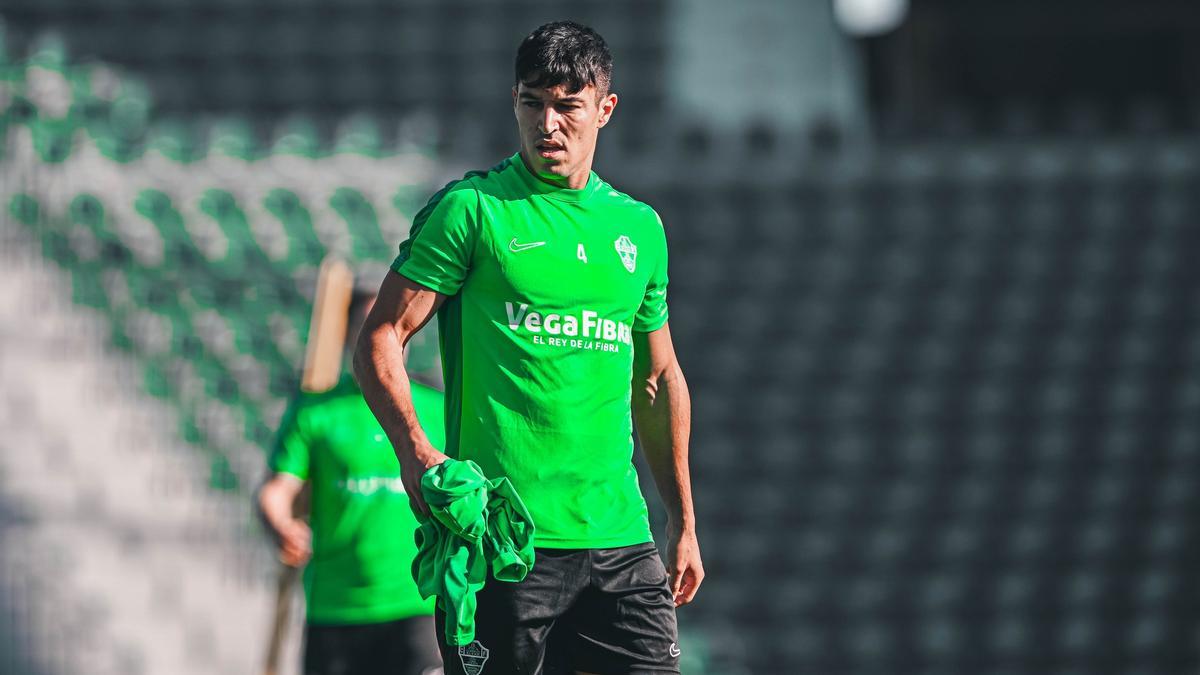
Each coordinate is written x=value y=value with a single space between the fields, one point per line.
x=363 y=528
x=546 y=286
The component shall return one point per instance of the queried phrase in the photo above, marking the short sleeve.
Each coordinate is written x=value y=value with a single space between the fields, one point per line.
x=290 y=454
x=653 y=312
x=438 y=251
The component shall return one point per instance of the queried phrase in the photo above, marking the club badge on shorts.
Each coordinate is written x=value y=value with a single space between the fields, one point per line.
x=473 y=657
x=627 y=251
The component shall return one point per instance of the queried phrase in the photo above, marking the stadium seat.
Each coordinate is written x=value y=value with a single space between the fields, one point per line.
x=244 y=257
x=176 y=141
x=305 y=248
x=359 y=135
x=232 y=137
x=179 y=249
x=367 y=241
x=297 y=136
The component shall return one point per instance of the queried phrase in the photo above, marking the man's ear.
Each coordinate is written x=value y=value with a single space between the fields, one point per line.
x=607 y=105
x=514 y=99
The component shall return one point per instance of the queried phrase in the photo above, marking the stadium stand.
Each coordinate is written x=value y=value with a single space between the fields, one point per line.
x=117 y=556
x=192 y=267
x=266 y=59
x=960 y=380
x=165 y=248
x=945 y=396
x=194 y=248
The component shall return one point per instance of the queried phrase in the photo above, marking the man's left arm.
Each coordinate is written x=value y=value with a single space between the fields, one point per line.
x=662 y=411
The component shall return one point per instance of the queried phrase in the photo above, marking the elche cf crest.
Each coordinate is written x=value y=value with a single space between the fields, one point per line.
x=627 y=251
x=473 y=657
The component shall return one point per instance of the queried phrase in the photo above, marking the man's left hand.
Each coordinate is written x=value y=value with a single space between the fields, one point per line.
x=684 y=566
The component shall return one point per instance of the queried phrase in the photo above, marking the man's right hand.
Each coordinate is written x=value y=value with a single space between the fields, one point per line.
x=295 y=543
x=278 y=502
x=412 y=466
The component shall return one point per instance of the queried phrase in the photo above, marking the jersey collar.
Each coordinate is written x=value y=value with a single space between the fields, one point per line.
x=541 y=187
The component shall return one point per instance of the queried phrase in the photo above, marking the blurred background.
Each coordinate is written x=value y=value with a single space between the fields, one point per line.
x=934 y=285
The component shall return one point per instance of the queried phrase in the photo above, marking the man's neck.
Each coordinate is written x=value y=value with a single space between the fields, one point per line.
x=576 y=181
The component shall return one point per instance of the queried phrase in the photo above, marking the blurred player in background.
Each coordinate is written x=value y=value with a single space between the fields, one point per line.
x=364 y=614
x=550 y=289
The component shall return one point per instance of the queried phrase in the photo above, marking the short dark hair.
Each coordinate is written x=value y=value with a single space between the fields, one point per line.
x=564 y=53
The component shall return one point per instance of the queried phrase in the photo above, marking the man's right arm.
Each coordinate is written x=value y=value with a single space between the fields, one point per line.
x=277 y=503
x=402 y=308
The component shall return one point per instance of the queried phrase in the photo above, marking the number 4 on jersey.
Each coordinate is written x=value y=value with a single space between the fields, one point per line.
x=581 y=253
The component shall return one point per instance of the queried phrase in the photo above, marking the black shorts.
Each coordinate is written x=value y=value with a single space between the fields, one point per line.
x=605 y=611
x=402 y=647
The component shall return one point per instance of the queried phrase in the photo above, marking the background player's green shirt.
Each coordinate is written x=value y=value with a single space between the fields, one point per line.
x=546 y=286
x=363 y=528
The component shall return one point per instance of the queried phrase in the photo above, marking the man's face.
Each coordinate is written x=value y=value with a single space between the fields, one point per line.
x=558 y=129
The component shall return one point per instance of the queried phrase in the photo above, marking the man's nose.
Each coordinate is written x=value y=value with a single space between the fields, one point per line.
x=548 y=123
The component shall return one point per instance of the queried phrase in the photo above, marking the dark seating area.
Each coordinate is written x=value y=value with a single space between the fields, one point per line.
x=945 y=409
x=266 y=59
x=946 y=391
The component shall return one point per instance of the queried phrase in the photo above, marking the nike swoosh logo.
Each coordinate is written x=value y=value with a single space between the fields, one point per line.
x=517 y=248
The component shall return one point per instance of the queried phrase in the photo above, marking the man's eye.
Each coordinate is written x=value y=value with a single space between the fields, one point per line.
x=532 y=104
